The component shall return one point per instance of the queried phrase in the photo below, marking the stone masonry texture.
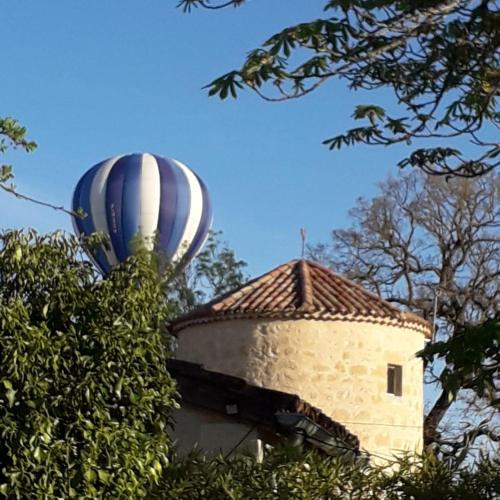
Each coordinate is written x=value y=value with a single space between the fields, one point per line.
x=338 y=366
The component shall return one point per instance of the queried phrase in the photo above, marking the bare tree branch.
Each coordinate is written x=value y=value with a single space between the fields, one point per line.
x=423 y=236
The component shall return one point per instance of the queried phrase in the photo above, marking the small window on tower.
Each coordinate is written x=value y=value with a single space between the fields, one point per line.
x=395 y=379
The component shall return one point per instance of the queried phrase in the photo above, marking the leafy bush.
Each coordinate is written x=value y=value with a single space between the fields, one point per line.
x=84 y=392
x=286 y=474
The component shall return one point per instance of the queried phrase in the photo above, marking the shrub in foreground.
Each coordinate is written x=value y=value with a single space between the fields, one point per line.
x=286 y=474
x=84 y=392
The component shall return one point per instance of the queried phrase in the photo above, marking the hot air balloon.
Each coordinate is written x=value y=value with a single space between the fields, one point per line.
x=157 y=198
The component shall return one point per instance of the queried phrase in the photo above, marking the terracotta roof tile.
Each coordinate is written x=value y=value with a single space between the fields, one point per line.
x=302 y=289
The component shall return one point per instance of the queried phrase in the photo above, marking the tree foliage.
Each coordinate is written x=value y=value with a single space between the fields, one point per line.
x=472 y=360
x=439 y=60
x=84 y=392
x=214 y=271
x=13 y=136
x=431 y=246
x=287 y=474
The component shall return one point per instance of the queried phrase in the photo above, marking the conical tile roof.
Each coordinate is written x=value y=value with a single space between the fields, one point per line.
x=302 y=289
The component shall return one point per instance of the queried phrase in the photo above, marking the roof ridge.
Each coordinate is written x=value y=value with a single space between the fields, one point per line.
x=300 y=289
x=305 y=286
x=352 y=283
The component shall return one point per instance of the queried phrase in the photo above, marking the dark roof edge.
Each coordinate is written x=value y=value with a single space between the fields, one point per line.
x=213 y=390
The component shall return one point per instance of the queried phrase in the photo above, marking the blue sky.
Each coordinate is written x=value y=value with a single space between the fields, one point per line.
x=96 y=79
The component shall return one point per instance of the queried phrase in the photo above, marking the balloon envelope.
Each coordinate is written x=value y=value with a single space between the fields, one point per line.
x=146 y=195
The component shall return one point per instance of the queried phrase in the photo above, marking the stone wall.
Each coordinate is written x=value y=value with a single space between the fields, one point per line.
x=338 y=366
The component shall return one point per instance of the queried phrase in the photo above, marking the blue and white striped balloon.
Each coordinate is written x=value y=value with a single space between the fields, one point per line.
x=146 y=195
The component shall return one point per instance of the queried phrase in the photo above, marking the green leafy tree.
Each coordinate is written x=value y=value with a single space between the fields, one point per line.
x=472 y=360
x=84 y=393
x=13 y=136
x=438 y=59
x=431 y=246
x=290 y=474
x=214 y=271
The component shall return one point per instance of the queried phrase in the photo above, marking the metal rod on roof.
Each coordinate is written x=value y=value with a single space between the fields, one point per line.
x=303 y=235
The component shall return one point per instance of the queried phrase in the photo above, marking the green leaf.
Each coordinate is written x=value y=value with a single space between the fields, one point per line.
x=103 y=476
x=118 y=388
x=157 y=466
x=18 y=254
x=7 y=384
x=11 y=396
x=90 y=475
x=369 y=111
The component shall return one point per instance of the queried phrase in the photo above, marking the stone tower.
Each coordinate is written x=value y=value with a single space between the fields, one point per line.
x=305 y=330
